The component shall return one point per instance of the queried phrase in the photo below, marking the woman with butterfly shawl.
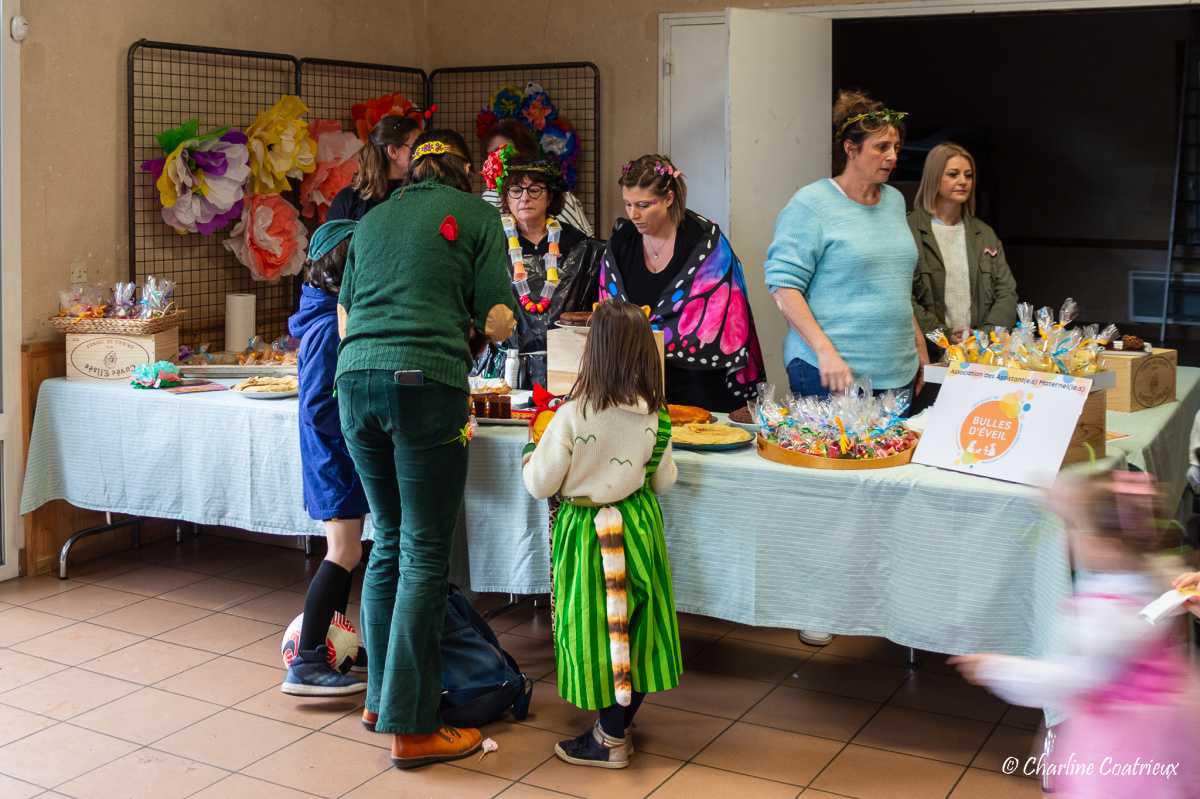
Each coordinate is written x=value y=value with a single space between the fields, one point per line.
x=682 y=267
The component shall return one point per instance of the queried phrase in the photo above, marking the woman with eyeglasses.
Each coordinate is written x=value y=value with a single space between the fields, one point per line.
x=511 y=131
x=382 y=168
x=841 y=268
x=679 y=265
x=556 y=267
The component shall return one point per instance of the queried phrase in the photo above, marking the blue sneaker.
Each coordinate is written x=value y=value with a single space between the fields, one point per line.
x=311 y=675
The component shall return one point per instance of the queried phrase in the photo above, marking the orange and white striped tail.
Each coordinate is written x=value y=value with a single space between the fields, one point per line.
x=610 y=529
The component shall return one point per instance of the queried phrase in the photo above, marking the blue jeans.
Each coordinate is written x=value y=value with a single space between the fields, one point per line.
x=804 y=380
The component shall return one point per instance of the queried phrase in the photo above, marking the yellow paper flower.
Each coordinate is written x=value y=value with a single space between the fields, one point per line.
x=280 y=147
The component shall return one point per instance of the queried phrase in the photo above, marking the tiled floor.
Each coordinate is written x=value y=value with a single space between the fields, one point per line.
x=155 y=674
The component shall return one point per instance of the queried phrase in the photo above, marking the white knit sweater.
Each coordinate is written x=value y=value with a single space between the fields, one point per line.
x=602 y=456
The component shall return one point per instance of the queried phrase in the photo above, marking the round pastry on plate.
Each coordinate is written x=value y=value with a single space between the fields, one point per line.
x=575 y=319
x=687 y=414
x=741 y=416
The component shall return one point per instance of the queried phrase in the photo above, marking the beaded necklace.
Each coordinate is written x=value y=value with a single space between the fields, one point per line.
x=520 y=281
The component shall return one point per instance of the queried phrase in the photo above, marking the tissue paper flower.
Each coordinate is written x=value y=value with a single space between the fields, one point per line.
x=505 y=102
x=160 y=374
x=269 y=240
x=537 y=109
x=336 y=165
x=280 y=146
x=366 y=115
x=484 y=123
x=560 y=142
x=200 y=179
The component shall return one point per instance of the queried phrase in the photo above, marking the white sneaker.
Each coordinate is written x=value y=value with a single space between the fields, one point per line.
x=815 y=637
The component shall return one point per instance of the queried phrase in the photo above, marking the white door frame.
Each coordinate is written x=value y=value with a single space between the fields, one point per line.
x=665 y=23
x=11 y=432
x=887 y=8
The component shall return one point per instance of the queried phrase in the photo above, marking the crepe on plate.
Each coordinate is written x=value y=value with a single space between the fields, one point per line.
x=265 y=384
x=699 y=433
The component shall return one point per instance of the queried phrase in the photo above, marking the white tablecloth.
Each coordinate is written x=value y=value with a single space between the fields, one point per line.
x=927 y=558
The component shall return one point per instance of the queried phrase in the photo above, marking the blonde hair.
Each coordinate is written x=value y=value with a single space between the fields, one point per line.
x=931 y=176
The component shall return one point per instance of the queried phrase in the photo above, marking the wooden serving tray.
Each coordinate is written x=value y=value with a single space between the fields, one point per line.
x=774 y=452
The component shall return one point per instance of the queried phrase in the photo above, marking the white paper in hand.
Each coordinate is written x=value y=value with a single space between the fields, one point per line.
x=1166 y=605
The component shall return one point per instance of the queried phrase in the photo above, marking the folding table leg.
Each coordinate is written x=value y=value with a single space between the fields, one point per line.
x=64 y=553
x=913 y=659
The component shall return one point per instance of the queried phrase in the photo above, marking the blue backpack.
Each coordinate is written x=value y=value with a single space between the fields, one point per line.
x=480 y=681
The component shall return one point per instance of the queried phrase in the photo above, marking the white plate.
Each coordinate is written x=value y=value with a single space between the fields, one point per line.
x=267 y=395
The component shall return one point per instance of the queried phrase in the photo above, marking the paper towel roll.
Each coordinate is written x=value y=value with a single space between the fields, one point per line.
x=239 y=321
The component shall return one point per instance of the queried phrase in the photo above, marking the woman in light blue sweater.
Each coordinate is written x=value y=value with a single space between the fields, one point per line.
x=841 y=268
x=841 y=265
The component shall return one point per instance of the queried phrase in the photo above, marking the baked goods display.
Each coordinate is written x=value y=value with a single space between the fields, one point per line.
x=687 y=414
x=708 y=433
x=575 y=318
x=855 y=426
x=492 y=406
x=266 y=384
x=742 y=416
x=1130 y=344
x=1040 y=343
x=490 y=398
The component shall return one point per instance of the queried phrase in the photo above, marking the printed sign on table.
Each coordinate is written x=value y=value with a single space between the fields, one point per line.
x=1009 y=424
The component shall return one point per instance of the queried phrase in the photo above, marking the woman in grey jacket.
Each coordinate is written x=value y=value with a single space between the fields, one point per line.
x=962 y=281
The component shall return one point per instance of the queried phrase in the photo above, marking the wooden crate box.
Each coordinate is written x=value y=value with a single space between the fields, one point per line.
x=1144 y=380
x=1090 y=431
x=111 y=356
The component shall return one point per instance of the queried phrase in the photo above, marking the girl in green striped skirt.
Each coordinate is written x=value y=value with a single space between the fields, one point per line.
x=607 y=452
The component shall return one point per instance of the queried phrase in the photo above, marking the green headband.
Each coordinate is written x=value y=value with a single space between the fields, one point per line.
x=887 y=116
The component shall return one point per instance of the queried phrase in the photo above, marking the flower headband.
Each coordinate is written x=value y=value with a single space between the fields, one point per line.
x=435 y=148
x=665 y=168
x=887 y=116
x=495 y=168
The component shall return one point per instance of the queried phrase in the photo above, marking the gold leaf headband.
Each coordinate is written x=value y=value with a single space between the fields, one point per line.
x=435 y=148
x=886 y=116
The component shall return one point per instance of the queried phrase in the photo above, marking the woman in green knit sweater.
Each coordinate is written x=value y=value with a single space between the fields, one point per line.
x=426 y=269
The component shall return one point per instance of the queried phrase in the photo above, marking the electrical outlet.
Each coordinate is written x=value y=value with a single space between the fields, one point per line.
x=78 y=275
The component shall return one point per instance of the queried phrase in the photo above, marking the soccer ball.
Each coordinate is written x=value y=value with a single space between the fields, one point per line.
x=341 y=642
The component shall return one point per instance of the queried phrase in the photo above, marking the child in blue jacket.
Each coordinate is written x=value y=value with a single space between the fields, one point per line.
x=332 y=492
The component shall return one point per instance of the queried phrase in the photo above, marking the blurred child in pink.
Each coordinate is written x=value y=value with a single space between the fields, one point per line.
x=1132 y=727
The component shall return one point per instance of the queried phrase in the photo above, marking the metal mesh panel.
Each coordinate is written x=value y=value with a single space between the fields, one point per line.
x=167 y=85
x=461 y=92
x=331 y=87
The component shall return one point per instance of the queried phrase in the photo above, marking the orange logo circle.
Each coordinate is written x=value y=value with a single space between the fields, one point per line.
x=990 y=429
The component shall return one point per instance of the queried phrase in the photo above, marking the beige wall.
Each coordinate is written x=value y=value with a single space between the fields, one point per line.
x=620 y=36
x=73 y=109
x=73 y=92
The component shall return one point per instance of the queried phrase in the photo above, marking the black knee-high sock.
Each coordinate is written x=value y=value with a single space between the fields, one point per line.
x=634 y=704
x=328 y=592
x=614 y=719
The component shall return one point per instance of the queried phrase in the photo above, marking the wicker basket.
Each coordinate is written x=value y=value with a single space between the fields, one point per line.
x=774 y=452
x=126 y=327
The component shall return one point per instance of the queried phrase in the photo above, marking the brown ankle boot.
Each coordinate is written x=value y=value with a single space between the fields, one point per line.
x=448 y=743
x=369 y=719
